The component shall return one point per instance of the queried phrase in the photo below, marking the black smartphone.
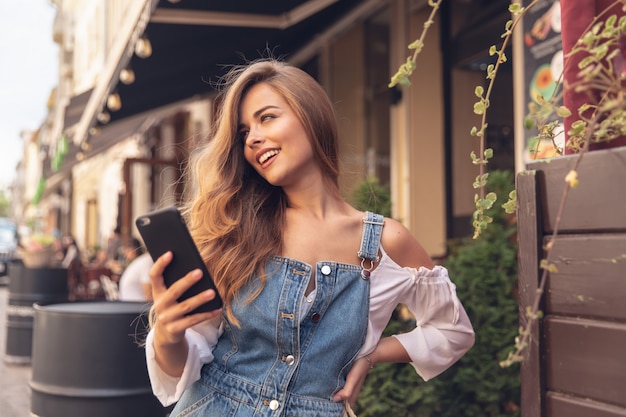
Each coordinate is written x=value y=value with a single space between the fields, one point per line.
x=165 y=230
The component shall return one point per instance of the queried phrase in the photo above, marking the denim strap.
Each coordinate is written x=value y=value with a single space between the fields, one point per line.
x=370 y=240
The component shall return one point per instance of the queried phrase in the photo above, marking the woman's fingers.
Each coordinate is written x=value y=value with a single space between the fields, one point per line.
x=156 y=272
x=178 y=288
x=354 y=382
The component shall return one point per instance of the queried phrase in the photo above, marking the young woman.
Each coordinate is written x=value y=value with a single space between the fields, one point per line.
x=309 y=283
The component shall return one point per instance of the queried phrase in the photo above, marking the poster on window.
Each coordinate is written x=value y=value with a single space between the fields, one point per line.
x=543 y=65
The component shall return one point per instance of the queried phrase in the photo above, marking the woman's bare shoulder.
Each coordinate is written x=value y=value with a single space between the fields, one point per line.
x=403 y=247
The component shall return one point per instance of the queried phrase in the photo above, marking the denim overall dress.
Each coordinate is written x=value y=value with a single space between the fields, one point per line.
x=281 y=362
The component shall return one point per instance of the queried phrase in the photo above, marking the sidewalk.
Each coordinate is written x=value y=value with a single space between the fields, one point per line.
x=14 y=379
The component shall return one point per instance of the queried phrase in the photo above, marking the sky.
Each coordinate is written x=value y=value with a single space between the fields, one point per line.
x=28 y=73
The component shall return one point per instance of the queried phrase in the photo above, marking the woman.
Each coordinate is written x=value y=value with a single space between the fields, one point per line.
x=308 y=282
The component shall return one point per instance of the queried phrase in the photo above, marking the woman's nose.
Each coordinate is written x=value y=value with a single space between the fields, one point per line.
x=254 y=137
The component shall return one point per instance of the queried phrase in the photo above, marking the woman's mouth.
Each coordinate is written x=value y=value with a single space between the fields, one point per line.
x=267 y=155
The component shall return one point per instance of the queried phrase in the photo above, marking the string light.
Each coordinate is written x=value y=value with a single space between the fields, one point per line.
x=114 y=102
x=104 y=117
x=127 y=76
x=143 y=47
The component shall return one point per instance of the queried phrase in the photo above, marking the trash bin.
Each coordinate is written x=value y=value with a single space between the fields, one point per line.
x=88 y=360
x=26 y=287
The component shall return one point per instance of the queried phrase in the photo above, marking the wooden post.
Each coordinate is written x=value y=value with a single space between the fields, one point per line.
x=530 y=233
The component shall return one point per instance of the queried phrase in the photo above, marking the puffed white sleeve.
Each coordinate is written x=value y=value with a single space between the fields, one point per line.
x=201 y=340
x=443 y=332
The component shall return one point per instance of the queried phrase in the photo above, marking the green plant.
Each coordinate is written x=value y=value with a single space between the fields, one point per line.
x=370 y=195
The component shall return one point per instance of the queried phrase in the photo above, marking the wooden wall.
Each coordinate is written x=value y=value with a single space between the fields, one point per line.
x=575 y=365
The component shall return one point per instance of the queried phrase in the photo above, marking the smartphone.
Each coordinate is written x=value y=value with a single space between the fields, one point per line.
x=165 y=230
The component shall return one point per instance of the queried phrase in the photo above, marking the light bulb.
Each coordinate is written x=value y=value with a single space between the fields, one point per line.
x=104 y=117
x=143 y=48
x=127 y=76
x=114 y=102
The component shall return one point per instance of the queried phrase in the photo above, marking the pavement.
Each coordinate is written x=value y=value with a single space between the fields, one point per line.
x=14 y=379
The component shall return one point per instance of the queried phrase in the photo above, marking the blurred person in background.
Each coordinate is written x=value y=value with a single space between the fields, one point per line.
x=134 y=284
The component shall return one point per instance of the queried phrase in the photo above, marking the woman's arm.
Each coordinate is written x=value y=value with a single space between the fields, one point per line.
x=443 y=332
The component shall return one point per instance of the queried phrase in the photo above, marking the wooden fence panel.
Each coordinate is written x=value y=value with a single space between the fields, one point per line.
x=568 y=406
x=585 y=358
x=577 y=288
x=592 y=206
x=575 y=365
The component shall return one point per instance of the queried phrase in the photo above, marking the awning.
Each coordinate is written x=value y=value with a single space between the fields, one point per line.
x=75 y=108
x=107 y=136
x=193 y=43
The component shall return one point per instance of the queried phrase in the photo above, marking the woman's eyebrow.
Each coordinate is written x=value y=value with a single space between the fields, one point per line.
x=262 y=109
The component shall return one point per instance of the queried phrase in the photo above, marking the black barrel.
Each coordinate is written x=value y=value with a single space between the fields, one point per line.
x=26 y=287
x=88 y=361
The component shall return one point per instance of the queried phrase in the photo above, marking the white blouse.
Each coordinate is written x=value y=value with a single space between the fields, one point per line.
x=442 y=335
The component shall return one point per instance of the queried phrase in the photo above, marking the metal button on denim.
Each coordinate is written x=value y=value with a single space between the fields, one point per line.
x=290 y=360
x=274 y=405
x=326 y=270
x=316 y=317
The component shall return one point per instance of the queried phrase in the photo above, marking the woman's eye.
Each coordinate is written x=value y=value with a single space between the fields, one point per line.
x=243 y=134
x=266 y=117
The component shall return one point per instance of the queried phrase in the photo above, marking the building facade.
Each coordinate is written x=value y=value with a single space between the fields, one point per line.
x=138 y=80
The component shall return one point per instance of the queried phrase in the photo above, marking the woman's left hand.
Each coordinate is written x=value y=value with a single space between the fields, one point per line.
x=354 y=382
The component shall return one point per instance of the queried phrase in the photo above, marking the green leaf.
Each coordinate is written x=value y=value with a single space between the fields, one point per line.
x=479 y=107
x=586 y=61
x=563 y=111
x=511 y=205
x=610 y=21
x=417 y=44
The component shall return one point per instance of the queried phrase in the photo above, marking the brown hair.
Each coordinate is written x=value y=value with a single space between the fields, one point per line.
x=234 y=215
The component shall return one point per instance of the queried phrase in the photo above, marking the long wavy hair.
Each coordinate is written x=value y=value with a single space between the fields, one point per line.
x=235 y=216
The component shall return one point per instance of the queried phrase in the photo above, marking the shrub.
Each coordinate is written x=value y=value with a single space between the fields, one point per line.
x=370 y=195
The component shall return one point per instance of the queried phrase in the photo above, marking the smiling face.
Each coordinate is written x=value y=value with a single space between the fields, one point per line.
x=275 y=141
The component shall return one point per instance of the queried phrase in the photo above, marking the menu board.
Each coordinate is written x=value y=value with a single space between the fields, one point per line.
x=543 y=66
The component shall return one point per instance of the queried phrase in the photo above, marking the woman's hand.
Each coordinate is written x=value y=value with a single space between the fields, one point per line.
x=354 y=381
x=171 y=319
x=388 y=350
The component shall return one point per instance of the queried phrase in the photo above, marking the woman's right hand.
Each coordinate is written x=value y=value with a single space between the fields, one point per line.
x=171 y=319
